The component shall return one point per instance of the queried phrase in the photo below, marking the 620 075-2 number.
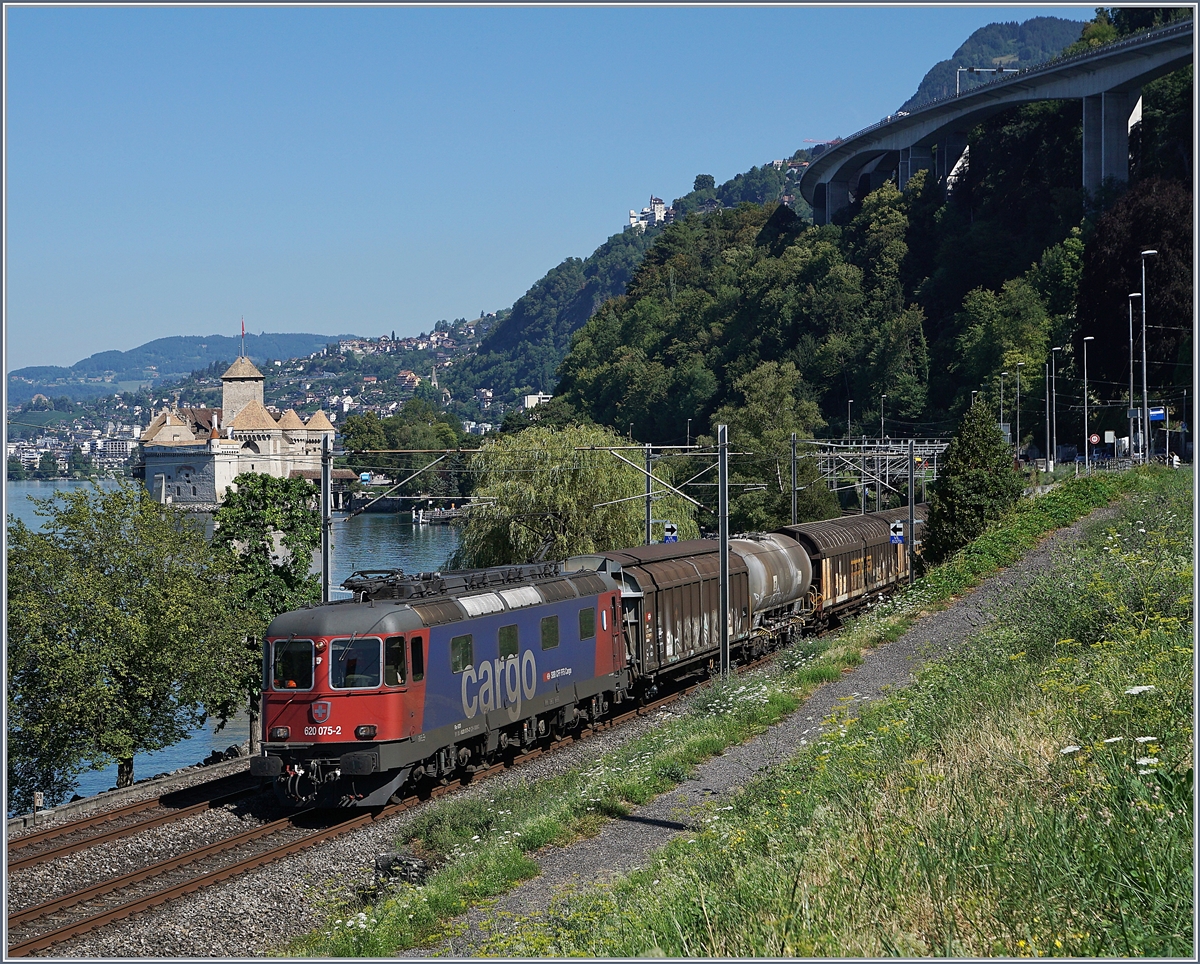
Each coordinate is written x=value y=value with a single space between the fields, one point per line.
x=322 y=731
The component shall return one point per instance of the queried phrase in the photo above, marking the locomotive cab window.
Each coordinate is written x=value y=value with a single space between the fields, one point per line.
x=418 y=658
x=462 y=652
x=292 y=664
x=549 y=632
x=508 y=641
x=393 y=661
x=587 y=623
x=354 y=662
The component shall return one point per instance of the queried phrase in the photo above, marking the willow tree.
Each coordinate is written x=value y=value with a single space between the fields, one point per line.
x=547 y=493
x=123 y=637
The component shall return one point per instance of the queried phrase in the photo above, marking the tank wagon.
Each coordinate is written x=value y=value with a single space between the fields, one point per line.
x=436 y=675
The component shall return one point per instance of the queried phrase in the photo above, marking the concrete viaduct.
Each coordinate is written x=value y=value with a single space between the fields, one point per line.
x=1108 y=80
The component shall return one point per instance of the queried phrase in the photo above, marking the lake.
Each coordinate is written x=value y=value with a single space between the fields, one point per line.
x=368 y=541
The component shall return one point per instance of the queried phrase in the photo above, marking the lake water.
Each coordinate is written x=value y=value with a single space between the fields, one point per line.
x=367 y=541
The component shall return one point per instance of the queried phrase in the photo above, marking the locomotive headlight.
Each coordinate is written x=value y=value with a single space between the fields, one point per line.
x=320 y=644
x=280 y=732
x=365 y=732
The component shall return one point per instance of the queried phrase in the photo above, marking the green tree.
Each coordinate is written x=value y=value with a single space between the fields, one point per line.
x=122 y=637
x=267 y=530
x=539 y=498
x=16 y=469
x=47 y=467
x=976 y=485
x=772 y=408
x=78 y=465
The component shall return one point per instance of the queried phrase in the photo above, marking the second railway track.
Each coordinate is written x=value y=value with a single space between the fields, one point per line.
x=36 y=927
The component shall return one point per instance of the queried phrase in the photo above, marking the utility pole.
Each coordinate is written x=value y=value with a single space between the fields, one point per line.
x=793 y=478
x=912 y=517
x=648 y=487
x=1087 y=452
x=1132 y=295
x=1049 y=456
x=723 y=536
x=1149 y=447
x=326 y=514
x=1054 y=399
x=1018 y=445
x=1002 y=374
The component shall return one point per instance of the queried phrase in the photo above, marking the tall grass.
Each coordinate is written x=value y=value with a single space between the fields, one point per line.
x=1028 y=797
x=481 y=846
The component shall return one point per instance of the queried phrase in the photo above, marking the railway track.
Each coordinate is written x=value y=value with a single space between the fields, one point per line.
x=40 y=926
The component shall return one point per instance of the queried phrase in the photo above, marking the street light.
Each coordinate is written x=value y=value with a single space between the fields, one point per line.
x=849 y=402
x=973 y=394
x=1054 y=400
x=882 y=399
x=1020 y=365
x=1151 y=253
x=1132 y=295
x=689 y=432
x=1087 y=464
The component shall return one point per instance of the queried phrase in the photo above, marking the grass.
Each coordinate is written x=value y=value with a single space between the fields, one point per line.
x=1028 y=797
x=481 y=846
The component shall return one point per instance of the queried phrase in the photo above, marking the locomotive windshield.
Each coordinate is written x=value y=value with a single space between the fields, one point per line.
x=293 y=664
x=355 y=662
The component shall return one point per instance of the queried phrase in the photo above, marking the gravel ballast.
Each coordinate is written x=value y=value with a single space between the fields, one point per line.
x=258 y=913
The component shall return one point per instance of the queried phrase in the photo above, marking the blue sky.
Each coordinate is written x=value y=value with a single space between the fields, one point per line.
x=370 y=169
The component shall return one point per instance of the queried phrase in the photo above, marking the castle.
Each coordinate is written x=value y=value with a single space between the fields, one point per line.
x=190 y=456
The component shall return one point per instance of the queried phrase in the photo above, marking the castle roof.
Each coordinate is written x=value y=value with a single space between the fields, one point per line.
x=242 y=368
x=290 y=419
x=253 y=418
x=319 y=423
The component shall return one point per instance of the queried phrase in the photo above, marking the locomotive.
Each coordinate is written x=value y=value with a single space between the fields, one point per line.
x=434 y=676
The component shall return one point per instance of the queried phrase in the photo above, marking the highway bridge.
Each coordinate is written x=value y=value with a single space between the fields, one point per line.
x=934 y=137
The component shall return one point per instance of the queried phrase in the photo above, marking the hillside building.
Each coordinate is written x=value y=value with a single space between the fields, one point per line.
x=190 y=456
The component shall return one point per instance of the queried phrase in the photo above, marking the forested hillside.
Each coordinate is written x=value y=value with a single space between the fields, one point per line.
x=996 y=45
x=914 y=296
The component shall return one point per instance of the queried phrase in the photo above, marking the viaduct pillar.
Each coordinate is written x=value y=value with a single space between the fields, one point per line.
x=1106 y=136
x=912 y=159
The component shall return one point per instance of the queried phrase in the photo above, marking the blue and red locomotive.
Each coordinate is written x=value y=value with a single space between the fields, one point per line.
x=434 y=676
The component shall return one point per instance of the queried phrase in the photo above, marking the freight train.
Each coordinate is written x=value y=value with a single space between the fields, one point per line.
x=433 y=676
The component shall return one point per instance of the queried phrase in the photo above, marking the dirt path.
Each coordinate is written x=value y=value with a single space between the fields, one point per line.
x=625 y=844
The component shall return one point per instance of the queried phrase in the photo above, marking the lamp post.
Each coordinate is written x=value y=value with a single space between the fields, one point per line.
x=1151 y=253
x=689 y=432
x=973 y=394
x=1020 y=365
x=849 y=402
x=882 y=399
x=1132 y=295
x=1087 y=464
x=1054 y=400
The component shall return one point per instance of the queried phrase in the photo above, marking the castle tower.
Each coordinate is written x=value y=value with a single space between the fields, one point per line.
x=240 y=385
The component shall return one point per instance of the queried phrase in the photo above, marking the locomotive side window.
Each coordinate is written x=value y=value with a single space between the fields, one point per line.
x=587 y=623
x=354 y=663
x=508 y=641
x=549 y=632
x=418 y=658
x=462 y=652
x=393 y=661
x=293 y=664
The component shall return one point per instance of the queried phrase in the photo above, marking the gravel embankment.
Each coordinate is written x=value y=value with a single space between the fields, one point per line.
x=257 y=914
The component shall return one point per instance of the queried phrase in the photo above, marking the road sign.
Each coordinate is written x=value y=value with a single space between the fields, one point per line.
x=897 y=533
x=1094 y=439
x=670 y=532
x=1158 y=414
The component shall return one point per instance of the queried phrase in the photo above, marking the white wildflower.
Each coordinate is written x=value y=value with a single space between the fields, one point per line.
x=1114 y=739
x=1135 y=690
x=1069 y=749
x=1146 y=739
